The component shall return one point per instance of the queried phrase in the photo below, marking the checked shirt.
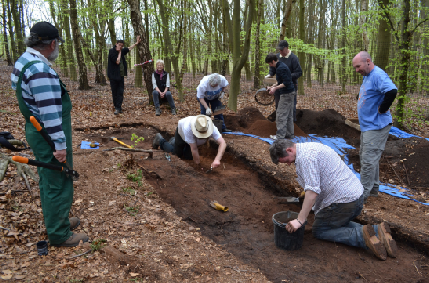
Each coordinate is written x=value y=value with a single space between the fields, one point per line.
x=321 y=170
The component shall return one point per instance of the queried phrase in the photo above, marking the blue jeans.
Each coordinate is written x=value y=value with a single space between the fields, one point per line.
x=179 y=148
x=213 y=104
x=333 y=223
x=156 y=98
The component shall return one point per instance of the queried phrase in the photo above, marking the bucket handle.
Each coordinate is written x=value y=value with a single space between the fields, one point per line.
x=283 y=225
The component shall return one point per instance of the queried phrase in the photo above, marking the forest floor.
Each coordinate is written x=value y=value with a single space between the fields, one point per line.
x=155 y=216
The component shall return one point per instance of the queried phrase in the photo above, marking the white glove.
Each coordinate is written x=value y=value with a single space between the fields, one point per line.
x=208 y=112
x=221 y=95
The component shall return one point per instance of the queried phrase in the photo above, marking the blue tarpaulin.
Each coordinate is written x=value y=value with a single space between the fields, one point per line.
x=85 y=145
x=340 y=146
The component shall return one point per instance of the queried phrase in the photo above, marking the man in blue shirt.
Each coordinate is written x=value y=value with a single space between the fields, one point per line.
x=286 y=90
x=376 y=95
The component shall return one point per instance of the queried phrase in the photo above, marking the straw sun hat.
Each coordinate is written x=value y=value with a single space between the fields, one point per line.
x=202 y=126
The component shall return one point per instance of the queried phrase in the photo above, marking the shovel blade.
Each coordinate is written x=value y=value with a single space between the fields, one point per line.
x=219 y=110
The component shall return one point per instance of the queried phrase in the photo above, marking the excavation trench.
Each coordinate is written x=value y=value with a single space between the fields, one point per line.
x=246 y=230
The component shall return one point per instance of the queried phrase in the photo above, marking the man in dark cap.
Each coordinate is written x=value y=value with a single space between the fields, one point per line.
x=117 y=70
x=286 y=56
x=41 y=94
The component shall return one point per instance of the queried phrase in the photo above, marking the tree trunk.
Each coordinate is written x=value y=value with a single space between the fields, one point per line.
x=185 y=43
x=17 y=23
x=364 y=9
x=69 y=41
x=239 y=59
x=6 y=42
x=21 y=15
x=11 y=33
x=425 y=49
x=175 y=56
x=257 y=76
x=343 y=46
x=191 y=50
x=143 y=46
x=215 y=38
x=334 y=16
x=109 y=5
x=404 y=45
x=97 y=58
x=320 y=38
x=383 y=47
x=83 y=73
x=286 y=14
x=64 y=63
x=138 y=77
x=301 y=55
x=310 y=41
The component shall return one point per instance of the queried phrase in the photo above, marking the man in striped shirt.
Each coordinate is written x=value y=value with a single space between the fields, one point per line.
x=41 y=94
x=335 y=194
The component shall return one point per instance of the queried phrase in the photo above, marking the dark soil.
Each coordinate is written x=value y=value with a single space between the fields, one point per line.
x=246 y=230
x=326 y=123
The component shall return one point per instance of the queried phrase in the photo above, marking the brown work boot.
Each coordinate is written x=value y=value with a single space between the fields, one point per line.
x=385 y=236
x=373 y=243
x=74 y=223
x=74 y=240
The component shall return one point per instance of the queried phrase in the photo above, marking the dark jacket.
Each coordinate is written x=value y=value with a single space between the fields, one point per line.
x=113 y=69
x=283 y=76
x=293 y=64
x=161 y=84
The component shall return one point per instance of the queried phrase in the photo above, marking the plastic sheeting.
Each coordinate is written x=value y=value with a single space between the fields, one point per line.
x=401 y=134
x=340 y=146
x=86 y=145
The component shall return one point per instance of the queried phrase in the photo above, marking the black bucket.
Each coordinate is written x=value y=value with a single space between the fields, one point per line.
x=284 y=239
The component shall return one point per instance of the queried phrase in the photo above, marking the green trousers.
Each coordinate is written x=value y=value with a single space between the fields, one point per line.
x=56 y=188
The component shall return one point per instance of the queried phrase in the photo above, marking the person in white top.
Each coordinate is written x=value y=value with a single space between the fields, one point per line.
x=210 y=91
x=335 y=194
x=192 y=132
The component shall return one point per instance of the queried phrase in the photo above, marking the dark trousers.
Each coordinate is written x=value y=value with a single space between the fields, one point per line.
x=277 y=99
x=334 y=223
x=117 y=87
x=213 y=104
x=157 y=98
x=179 y=148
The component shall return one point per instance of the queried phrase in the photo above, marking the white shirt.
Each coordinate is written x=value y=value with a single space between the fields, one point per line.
x=205 y=90
x=321 y=170
x=185 y=131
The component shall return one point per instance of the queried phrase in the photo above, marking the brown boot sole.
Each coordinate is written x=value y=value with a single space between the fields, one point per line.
x=384 y=233
x=373 y=243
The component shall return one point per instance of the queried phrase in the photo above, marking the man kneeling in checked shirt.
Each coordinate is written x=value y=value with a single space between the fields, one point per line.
x=335 y=194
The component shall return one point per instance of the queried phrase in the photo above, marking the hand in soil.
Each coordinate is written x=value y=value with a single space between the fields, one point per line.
x=216 y=163
x=292 y=226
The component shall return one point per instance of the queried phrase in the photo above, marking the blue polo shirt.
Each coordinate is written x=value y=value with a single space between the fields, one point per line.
x=371 y=95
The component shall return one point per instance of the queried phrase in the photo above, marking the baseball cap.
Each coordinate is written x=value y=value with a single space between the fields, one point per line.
x=46 y=31
x=282 y=44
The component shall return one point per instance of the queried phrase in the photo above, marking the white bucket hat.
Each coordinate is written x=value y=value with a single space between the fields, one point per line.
x=202 y=126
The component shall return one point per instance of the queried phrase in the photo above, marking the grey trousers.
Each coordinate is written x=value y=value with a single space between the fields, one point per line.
x=372 y=145
x=284 y=116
